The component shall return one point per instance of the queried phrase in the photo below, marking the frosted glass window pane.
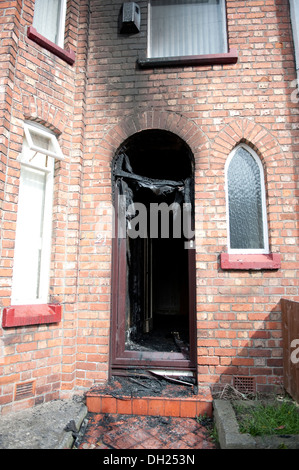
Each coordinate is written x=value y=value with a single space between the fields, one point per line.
x=47 y=18
x=245 y=202
x=187 y=27
x=29 y=234
x=40 y=140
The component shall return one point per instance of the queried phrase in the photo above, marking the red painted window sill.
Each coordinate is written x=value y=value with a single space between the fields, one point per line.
x=64 y=54
x=230 y=57
x=23 y=315
x=250 y=261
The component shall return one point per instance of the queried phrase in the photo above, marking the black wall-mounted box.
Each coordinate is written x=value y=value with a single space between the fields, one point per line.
x=129 y=18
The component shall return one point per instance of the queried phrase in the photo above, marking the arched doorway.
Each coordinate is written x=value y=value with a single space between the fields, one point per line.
x=153 y=291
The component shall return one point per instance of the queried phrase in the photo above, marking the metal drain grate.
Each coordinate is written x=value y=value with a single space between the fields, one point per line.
x=24 y=390
x=244 y=384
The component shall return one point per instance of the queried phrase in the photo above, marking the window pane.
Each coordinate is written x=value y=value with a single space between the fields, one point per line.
x=37 y=144
x=39 y=140
x=29 y=235
x=47 y=18
x=37 y=159
x=245 y=202
x=187 y=27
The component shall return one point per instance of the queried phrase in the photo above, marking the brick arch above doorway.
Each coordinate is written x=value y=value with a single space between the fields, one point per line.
x=185 y=128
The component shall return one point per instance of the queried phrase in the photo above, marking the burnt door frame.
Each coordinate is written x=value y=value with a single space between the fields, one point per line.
x=122 y=359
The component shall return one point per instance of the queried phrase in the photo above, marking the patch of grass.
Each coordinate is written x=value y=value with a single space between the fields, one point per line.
x=209 y=424
x=268 y=419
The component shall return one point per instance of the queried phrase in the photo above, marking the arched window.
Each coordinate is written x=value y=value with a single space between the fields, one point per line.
x=246 y=202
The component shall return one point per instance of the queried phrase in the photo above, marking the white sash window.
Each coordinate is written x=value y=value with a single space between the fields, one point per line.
x=186 y=27
x=34 y=219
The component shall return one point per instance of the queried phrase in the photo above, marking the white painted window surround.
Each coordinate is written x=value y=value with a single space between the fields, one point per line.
x=31 y=269
x=247 y=226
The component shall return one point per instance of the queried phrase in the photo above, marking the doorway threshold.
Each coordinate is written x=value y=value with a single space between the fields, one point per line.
x=150 y=396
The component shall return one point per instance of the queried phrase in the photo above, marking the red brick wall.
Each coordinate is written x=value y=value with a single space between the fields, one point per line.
x=95 y=105
x=38 y=86
x=212 y=109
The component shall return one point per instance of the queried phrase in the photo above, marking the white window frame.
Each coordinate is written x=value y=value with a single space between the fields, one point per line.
x=264 y=250
x=46 y=238
x=149 y=6
x=60 y=26
x=35 y=128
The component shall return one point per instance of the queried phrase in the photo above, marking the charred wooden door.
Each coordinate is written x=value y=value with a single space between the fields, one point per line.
x=153 y=281
x=125 y=357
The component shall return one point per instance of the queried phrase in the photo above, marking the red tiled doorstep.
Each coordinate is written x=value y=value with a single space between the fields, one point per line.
x=149 y=406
